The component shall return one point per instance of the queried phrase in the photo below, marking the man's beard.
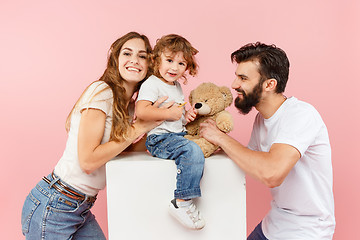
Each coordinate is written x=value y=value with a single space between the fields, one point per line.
x=249 y=100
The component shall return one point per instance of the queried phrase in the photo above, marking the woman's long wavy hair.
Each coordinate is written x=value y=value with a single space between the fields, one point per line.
x=111 y=76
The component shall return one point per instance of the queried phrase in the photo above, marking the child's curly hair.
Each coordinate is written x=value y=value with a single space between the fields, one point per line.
x=175 y=43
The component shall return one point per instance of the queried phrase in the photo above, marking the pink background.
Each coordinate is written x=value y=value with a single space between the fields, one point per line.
x=51 y=50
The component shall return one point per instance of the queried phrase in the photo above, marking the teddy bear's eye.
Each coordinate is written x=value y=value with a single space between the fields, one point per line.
x=206 y=100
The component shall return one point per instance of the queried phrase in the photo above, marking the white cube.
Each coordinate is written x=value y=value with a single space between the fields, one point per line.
x=140 y=187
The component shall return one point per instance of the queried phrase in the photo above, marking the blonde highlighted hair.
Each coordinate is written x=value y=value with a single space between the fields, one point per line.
x=175 y=43
x=111 y=76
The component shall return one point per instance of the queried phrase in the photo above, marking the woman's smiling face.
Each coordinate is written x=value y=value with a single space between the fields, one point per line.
x=133 y=60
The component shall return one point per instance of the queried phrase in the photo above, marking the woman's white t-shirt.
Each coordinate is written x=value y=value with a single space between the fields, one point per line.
x=97 y=96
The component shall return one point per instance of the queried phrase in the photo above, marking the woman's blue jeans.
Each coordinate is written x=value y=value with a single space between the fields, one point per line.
x=188 y=157
x=49 y=214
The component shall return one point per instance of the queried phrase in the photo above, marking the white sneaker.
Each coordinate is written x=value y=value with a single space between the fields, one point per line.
x=189 y=216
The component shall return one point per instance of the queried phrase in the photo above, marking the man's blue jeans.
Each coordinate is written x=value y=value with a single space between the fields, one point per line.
x=49 y=214
x=188 y=157
x=257 y=233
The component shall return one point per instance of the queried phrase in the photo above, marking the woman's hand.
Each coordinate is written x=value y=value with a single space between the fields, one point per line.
x=174 y=112
x=145 y=126
x=158 y=102
x=149 y=111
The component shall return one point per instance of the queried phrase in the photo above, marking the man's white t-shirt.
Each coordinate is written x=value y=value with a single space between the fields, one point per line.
x=303 y=205
x=153 y=89
x=97 y=96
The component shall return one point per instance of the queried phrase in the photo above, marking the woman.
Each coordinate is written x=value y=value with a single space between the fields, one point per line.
x=99 y=128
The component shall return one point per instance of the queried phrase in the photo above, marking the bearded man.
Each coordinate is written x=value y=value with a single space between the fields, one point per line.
x=289 y=149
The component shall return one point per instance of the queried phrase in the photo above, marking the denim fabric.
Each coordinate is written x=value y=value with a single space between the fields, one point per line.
x=49 y=214
x=257 y=234
x=188 y=157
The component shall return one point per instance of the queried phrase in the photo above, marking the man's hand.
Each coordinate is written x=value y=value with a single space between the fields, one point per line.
x=211 y=132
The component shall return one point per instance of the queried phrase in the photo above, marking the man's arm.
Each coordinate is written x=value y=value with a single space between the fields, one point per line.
x=271 y=168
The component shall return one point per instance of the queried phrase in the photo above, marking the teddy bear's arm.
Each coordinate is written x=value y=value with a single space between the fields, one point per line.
x=224 y=121
x=192 y=128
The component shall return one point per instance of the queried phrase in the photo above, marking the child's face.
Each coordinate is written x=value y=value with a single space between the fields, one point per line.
x=172 y=66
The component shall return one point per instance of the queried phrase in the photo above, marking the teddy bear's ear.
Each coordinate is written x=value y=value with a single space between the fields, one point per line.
x=228 y=98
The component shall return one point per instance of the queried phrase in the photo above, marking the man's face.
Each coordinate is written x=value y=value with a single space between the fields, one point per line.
x=247 y=85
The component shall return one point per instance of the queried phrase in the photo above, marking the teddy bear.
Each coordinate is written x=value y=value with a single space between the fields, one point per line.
x=210 y=101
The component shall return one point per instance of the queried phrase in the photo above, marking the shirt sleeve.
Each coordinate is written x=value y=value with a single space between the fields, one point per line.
x=148 y=91
x=300 y=128
x=98 y=96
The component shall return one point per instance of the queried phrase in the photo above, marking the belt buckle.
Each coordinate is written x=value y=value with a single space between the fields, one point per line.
x=63 y=189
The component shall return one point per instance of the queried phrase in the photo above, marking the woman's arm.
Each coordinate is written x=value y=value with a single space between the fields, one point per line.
x=138 y=145
x=92 y=154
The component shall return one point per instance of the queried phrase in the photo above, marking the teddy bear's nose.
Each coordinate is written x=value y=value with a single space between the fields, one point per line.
x=198 y=105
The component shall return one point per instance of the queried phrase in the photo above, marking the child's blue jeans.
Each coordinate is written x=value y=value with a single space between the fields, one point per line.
x=188 y=157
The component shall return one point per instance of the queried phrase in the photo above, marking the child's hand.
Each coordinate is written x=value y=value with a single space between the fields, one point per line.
x=191 y=114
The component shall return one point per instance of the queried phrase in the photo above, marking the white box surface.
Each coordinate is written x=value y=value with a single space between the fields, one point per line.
x=140 y=187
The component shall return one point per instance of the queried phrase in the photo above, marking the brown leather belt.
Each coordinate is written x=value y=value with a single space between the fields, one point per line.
x=62 y=188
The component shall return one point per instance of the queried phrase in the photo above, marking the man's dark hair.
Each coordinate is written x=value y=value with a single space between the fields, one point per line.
x=273 y=62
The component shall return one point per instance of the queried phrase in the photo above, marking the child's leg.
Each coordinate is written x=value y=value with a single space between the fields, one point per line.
x=188 y=157
x=189 y=160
